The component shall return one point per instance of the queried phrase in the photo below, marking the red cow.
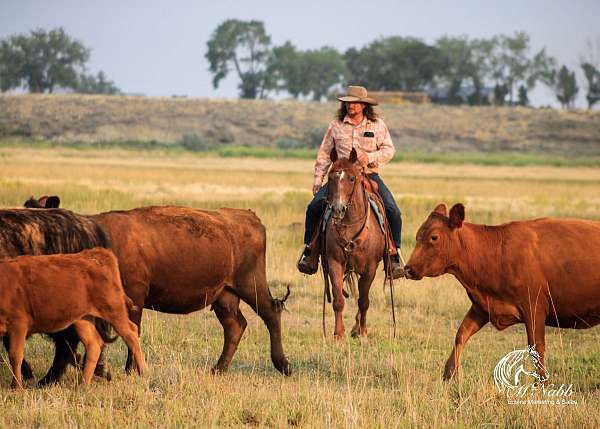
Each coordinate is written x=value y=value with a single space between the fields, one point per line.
x=537 y=272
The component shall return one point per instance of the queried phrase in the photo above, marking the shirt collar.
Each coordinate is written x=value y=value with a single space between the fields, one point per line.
x=362 y=123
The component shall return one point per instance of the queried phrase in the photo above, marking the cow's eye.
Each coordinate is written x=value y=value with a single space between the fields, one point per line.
x=352 y=178
x=434 y=238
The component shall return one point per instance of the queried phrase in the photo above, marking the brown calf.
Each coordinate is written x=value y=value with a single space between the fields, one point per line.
x=42 y=294
x=537 y=272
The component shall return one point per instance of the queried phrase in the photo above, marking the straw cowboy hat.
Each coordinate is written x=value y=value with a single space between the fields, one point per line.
x=357 y=93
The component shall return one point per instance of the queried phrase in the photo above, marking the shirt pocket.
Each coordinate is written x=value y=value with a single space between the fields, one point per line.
x=368 y=144
x=343 y=145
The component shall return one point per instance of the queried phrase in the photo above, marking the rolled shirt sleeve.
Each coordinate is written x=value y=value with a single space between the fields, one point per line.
x=323 y=157
x=386 y=149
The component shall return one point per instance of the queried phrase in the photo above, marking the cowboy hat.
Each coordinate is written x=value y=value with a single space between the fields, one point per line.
x=357 y=94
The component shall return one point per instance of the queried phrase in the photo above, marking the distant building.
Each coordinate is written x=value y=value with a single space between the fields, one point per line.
x=465 y=95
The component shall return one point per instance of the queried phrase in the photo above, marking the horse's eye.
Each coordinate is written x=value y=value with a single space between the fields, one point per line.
x=434 y=238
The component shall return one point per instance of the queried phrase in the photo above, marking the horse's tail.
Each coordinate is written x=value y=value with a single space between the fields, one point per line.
x=351 y=280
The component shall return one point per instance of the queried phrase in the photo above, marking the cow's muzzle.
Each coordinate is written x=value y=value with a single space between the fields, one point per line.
x=411 y=274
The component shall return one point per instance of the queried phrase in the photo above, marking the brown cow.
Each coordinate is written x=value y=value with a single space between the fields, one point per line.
x=45 y=232
x=179 y=260
x=42 y=294
x=537 y=272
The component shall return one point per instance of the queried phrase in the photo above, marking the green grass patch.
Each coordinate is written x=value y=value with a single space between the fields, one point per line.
x=194 y=144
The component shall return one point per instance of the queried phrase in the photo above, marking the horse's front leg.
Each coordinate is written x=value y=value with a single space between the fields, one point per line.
x=336 y=274
x=364 y=286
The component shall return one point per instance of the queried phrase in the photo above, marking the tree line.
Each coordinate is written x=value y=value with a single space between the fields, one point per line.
x=45 y=61
x=505 y=63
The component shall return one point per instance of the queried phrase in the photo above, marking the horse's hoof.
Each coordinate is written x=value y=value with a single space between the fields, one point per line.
x=218 y=370
x=449 y=372
x=283 y=366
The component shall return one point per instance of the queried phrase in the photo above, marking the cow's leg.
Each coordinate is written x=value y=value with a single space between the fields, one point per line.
x=336 y=274
x=252 y=288
x=472 y=323
x=16 y=351
x=93 y=346
x=26 y=370
x=535 y=325
x=65 y=343
x=102 y=369
x=137 y=290
x=234 y=324
x=129 y=332
x=364 y=286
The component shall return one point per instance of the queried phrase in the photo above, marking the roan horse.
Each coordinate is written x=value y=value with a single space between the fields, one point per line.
x=354 y=243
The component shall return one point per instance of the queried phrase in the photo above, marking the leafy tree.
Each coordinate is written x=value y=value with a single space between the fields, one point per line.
x=590 y=64
x=322 y=69
x=393 y=63
x=523 y=98
x=512 y=66
x=41 y=61
x=592 y=76
x=481 y=66
x=244 y=46
x=285 y=69
x=565 y=86
x=500 y=92
x=307 y=73
x=99 y=84
x=456 y=64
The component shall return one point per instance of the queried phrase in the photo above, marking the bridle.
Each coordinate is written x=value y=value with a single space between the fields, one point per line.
x=349 y=245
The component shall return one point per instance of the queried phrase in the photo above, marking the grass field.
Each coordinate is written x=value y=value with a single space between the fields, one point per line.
x=385 y=382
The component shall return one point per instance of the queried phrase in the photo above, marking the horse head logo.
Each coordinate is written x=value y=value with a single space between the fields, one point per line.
x=512 y=370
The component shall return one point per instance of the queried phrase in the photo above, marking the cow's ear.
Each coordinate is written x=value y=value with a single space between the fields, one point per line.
x=441 y=209
x=333 y=155
x=353 y=156
x=457 y=215
x=52 y=202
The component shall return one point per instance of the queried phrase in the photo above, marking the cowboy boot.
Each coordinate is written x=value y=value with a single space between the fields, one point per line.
x=397 y=269
x=308 y=263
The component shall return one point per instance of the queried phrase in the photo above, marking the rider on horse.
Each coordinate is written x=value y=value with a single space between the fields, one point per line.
x=356 y=126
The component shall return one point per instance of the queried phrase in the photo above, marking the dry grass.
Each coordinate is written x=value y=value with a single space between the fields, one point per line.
x=384 y=383
x=420 y=128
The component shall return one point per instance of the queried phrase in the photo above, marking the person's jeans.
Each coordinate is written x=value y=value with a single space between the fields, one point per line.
x=315 y=209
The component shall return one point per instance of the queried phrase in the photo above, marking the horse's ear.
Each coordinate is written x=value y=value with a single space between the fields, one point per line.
x=353 y=155
x=333 y=155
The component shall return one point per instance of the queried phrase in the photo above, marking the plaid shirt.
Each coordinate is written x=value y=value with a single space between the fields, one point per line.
x=344 y=135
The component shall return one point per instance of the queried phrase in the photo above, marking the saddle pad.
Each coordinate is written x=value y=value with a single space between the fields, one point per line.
x=380 y=216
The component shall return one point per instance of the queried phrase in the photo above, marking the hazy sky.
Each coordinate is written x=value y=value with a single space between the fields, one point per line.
x=157 y=48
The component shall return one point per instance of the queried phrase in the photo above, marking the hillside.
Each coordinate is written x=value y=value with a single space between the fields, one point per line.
x=416 y=128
